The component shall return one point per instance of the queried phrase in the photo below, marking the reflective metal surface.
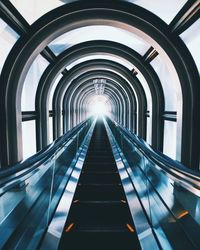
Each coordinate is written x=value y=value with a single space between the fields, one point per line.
x=55 y=229
x=164 y=201
x=169 y=195
x=29 y=196
x=143 y=228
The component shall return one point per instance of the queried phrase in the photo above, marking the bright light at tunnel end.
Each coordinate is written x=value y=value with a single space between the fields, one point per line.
x=99 y=105
x=99 y=108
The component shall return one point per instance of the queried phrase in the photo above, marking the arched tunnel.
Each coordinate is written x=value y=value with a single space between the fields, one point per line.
x=99 y=131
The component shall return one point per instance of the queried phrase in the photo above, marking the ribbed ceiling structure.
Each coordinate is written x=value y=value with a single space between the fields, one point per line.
x=135 y=61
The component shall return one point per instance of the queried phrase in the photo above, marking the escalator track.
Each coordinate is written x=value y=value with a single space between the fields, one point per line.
x=99 y=216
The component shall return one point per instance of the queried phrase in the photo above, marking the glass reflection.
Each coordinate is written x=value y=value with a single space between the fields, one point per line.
x=170 y=204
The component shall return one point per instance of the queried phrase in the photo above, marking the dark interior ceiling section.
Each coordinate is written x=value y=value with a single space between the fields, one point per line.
x=131 y=85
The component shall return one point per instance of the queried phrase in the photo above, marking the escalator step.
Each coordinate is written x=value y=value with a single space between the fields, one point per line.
x=77 y=228
x=99 y=192
x=100 y=166
x=99 y=217
x=103 y=241
x=100 y=213
x=99 y=178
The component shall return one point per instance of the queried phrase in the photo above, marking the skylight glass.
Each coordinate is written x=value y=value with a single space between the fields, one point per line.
x=169 y=144
x=8 y=38
x=114 y=58
x=191 y=38
x=167 y=82
x=166 y=10
x=31 y=10
x=29 y=138
x=98 y=32
x=53 y=90
x=31 y=83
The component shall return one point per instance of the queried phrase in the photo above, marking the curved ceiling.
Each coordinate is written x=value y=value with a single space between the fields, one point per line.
x=102 y=49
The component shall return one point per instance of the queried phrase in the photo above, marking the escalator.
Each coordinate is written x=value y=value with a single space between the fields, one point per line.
x=76 y=194
x=99 y=217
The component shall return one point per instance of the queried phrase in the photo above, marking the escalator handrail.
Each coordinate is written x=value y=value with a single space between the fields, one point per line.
x=41 y=156
x=163 y=161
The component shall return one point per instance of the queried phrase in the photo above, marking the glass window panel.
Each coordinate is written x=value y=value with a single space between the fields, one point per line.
x=169 y=147
x=31 y=10
x=31 y=83
x=98 y=32
x=191 y=38
x=114 y=58
x=29 y=138
x=149 y=130
x=61 y=124
x=8 y=37
x=166 y=10
x=52 y=91
x=167 y=82
x=50 y=129
x=146 y=90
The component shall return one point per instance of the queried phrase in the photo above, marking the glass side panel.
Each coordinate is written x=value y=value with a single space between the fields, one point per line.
x=167 y=201
x=191 y=38
x=29 y=138
x=169 y=147
x=36 y=194
x=167 y=82
x=8 y=38
x=50 y=129
x=52 y=91
x=31 y=10
x=98 y=32
x=31 y=82
x=166 y=10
